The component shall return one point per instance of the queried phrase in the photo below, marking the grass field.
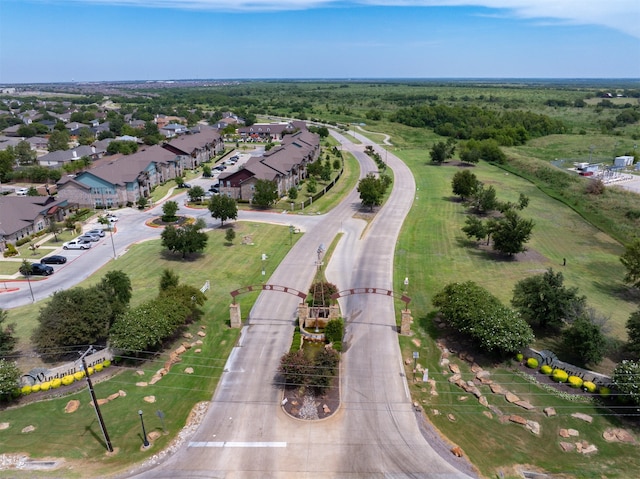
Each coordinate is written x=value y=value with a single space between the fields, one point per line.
x=78 y=437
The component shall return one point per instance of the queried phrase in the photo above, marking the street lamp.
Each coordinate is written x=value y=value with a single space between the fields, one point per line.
x=145 y=442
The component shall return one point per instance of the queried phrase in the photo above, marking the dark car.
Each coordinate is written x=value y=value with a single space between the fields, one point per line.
x=214 y=189
x=41 y=269
x=54 y=259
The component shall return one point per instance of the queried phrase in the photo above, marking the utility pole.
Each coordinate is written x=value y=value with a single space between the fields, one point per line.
x=95 y=401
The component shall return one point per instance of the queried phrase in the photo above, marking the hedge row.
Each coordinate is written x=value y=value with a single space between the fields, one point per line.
x=64 y=381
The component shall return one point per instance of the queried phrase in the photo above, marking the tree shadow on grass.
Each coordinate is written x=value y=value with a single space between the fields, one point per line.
x=189 y=258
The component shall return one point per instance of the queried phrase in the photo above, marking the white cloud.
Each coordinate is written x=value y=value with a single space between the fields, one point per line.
x=622 y=15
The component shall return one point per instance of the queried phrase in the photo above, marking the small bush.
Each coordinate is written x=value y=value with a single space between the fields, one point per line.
x=78 y=375
x=337 y=345
x=106 y=363
x=10 y=251
x=56 y=383
x=532 y=363
x=589 y=386
x=26 y=390
x=68 y=380
x=90 y=370
x=575 y=381
x=98 y=367
x=546 y=370
x=559 y=376
x=35 y=388
x=519 y=357
x=45 y=386
x=604 y=391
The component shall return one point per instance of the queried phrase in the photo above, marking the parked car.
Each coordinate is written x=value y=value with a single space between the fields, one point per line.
x=89 y=237
x=96 y=232
x=214 y=189
x=41 y=269
x=111 y=217
x=77 y=244
x=54 y=259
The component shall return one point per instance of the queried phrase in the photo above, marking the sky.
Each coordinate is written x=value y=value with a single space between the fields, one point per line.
x=43 y=41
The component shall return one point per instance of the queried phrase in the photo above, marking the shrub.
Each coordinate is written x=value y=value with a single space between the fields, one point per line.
x=35 y=388
x=337 y=345
x=532 y=363
x=559 y=376
x=26 y=390
x=98 y=367
x=604 y=391
x=519 y=357
x=106 y=363
x=45 y=386
x=546 y=370
x=589 y=386
x=78 y=375
x=10 y=251
x=90 y=370
x=56 y=383
x=575 y=381
x=68 y=379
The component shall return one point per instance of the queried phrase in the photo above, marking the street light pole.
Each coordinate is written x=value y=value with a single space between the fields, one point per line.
x=145 y=442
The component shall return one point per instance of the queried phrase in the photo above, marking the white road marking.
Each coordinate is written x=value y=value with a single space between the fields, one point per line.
x=237 y=444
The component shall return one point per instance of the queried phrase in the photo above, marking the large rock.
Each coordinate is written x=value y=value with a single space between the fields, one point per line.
x=549 y=411
x=618 y=435
x=583 y=417
x=496 y=388
x=563 y=433
x=483 y=401
x=518 y=419
x=149 y=399
x=525 y=405
x=510 y=397
x=567 y=446
x=72 y=406
x=534 y=427
x=6 y=425
x=488 y=414
x=455 y=369
x=28 y=429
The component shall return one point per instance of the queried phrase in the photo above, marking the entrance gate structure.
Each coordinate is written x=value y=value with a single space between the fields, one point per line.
x=234 y=309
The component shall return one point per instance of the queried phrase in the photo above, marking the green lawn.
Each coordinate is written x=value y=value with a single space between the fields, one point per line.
x=77 y=437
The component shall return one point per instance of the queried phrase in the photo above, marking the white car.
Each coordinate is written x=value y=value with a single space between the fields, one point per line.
x=76 y=244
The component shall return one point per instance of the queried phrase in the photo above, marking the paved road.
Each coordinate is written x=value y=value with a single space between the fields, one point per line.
x=245 y=433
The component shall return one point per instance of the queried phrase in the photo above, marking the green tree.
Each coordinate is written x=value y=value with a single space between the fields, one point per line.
x=195 y=193
x=169 y=210
x=86 y=136
x=72 y=319
x=117 y=285
x=484 y=199
x=142 y=202
x=169 y=279
x=476 y=313
x=59 y=140
x=206 y=171
x=7 y=338
x=372 y=190
x=325 y=366
x=626 y=378
x=9 y=379
x=544 y=301
x=633 y=332
x=585 y=340
x=334 y=330
x=7 y=161
x=475 y=228
x=265 y=193
x=464 y=184
x=230 y=235
x=511 y=233
x=292 y=193
x=470 y=152
x=223 y=208
x=24 y=154
x=186 y=239
x=631 y=261
x=442 y=151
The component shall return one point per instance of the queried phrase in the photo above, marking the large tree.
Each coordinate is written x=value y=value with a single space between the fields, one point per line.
x=59 y=140
x=476 y=313
x=223 y=208
x=71 y=320
x=511 y=233
x=633 y=332
x=265 y=193
x=195 y=193
x=442 y=151
x=464 y=184
x=9 y=379
x=24 y=154
x=118 y=287
x=544 y=301
x=372 y=189
x=185 y=239
x=169 y=210
x=626 y=378
x=631 y=261
x=7 y=338
x=585 y=340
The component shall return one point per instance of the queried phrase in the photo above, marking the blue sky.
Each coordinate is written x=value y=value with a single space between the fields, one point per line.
x=116 y=40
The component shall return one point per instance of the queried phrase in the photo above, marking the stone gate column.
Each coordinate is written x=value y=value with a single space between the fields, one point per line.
x=234 y=315
x=405 y=322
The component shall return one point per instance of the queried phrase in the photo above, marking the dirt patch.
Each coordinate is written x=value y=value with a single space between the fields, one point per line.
x=303 y=404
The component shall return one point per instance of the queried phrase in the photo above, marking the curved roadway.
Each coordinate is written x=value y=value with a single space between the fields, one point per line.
x=375 y=434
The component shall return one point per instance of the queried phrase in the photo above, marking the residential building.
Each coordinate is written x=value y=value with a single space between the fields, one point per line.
x=196 y=148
